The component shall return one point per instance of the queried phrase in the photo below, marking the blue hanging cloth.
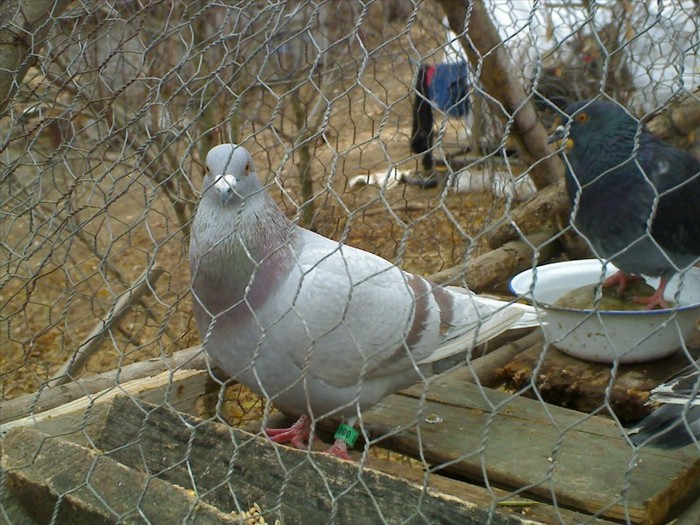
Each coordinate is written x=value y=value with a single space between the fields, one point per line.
x=443 y=87
x=448 y=88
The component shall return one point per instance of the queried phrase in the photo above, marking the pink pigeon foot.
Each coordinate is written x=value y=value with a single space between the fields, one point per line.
x=620 y=279
x=654 y=300
x=339 y=449
x=298 y=434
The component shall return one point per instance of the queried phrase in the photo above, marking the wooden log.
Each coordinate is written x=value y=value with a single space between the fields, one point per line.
x=538 y=211
x=53 y=396
x=494 y=269
x=567 y=381
x=486 y=272
x=679 y=119
x=231 y=468
x=579 y=461
x=87 y=487
x=483 y=273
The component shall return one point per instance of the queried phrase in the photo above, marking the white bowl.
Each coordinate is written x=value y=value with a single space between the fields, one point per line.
x=608 y=335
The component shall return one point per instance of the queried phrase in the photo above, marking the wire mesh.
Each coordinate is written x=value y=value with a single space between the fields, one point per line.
x=108 y=111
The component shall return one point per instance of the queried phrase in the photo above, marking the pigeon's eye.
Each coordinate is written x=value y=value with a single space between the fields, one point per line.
x=207 y=168
x=247 y=168
x=582 y=117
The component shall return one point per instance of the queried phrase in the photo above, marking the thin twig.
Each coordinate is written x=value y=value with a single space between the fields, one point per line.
x=75 y=364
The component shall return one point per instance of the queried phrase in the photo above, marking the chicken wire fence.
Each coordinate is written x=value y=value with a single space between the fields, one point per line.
x=109 y=109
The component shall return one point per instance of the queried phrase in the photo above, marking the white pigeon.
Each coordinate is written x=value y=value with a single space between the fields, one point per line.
x=315 y=326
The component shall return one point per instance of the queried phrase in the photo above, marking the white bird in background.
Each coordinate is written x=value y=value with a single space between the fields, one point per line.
x=315 y=326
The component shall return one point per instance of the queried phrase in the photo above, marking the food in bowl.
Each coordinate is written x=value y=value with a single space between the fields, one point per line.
x=601 y=335
x=591 y=296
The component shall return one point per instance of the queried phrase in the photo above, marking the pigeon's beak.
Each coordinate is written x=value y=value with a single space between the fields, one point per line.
x=225 y=186
x=558 y=138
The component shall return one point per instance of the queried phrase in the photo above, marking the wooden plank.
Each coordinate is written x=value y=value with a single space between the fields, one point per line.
x=180 y=389
x=86 y=487
x=232 y=469
x=504 y=500
x=566 y=381
x=54 y=396
x=419 y=472
x=582 y=462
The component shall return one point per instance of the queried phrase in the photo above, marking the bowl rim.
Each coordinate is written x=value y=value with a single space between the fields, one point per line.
x=609 y=269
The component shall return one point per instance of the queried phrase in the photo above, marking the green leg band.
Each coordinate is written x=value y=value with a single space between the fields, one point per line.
x=348 y=434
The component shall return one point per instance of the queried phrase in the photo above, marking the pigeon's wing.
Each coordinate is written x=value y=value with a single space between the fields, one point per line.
x=676 y=176
x=366 y=317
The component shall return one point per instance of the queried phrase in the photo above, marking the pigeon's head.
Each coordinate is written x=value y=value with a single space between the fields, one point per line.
x=231 y=175
x=593 y=125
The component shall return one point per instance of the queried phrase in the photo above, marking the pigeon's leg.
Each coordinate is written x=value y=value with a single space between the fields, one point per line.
x=339 y=449
x=621 y=280
x=346 y=436
x=654 y=300
x=297 y=434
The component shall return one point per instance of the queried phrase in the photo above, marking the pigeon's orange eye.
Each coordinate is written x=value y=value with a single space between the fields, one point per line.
x=582 y=117
x=247 y=169
x=207 y=168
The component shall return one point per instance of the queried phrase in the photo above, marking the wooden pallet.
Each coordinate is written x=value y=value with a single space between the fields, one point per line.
x=485 y=455
x=146 y=458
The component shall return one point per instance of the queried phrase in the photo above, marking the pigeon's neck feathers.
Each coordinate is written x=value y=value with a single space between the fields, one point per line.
x=603 y=147
x=243 y=247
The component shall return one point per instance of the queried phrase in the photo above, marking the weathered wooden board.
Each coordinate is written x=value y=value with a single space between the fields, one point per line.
x=492 y=497
x=54 y=396
x=566 y=381
x=581 y=462
x=232 y=469
x=180 y=389
x=51 y=477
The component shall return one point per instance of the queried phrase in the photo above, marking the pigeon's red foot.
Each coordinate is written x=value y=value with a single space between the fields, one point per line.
x=339 y=449
x=298 y=434
x=656 y=299
x=621 y=280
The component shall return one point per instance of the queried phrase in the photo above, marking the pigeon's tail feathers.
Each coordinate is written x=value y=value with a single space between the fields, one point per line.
x=662 y=394
x=669 y=427
x=501 y=319
x=530 y=317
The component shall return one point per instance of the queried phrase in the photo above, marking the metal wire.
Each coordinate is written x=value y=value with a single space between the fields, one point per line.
x=111 y=105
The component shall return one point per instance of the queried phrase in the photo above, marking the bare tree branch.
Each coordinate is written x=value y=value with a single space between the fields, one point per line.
x=484 y=48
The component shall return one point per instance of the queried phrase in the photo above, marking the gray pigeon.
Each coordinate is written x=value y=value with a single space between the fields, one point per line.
x=676 y=423
x=635 y=198
x=317 y=327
